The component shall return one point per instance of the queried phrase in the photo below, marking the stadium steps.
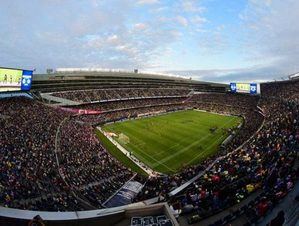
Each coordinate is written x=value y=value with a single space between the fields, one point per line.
x=110 y=179
x=58 y=100
x=190 y=94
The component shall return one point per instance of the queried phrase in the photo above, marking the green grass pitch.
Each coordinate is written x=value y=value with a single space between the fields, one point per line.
x=166 y=143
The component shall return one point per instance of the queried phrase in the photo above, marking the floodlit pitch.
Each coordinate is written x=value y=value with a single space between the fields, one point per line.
x=166 y=143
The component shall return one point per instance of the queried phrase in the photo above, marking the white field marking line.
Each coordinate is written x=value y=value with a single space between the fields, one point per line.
x=167 y=150
x=153 y=165
x=139 y=142
x=201 y=153
x=178 y=144
x=214 y=113
x=139 y=145
x=183 y=149
x=191 y=145
x=163 y=152
x=159 y=153
x=147 y=169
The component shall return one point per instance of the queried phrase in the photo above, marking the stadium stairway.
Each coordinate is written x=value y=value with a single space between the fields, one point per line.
x=58 y=100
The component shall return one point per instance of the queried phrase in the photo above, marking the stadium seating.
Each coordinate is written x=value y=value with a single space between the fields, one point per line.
x=51 y=160
x=113 y=94
x=266 y=163
x=31 y=174
x=127 y=104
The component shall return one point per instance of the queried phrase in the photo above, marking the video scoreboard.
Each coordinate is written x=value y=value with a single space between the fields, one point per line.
x=15 y=79
x=250 y=88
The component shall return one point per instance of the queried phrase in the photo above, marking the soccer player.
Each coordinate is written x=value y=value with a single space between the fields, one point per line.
x=5 y=78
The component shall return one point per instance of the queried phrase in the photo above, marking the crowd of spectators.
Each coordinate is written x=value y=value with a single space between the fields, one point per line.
x=84 y=163
x=285 y=89
x=51 y=160
x=27 y=162
x=87 y=96
x=32 y=179
x=233 y=104
x=131 y=112
x=241 y=105
x=131 y=104
x=36 y=174
x=265 y=164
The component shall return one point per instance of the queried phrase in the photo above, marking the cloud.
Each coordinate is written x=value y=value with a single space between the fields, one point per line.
x=198 y=20
x=256 y=73
x=270 y=44
x=101 y=33
x=113 y=39
x=272 y=35
x=213 y=43
x=148 y=2
x=151 y=33
x=140 y=26
x=182 y=20
x=191 y=6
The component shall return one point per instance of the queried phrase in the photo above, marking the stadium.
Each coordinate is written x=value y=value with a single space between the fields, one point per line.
x=149 y=113
x=96 y=147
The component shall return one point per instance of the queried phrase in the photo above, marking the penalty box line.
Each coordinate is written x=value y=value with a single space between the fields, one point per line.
x=157 y=161
x=186 y=149
x=151 y=157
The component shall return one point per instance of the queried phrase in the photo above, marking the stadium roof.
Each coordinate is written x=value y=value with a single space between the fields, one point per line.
x=78 y=73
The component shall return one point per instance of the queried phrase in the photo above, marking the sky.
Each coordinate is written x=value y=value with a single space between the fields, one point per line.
x=209 y=40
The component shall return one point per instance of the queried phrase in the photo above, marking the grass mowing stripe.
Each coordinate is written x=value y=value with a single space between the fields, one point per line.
x=196 y=142
x=160 y=164
x=148 y=159
x=120 y=156
x=206 y=150
x=182 y=143
x=173 y=139
x=221 y=138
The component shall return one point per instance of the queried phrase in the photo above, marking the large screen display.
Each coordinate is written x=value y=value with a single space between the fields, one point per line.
x=15 y=79
x=252 y=88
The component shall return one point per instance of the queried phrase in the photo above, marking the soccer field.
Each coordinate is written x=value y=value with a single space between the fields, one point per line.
x=168 y=142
